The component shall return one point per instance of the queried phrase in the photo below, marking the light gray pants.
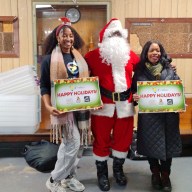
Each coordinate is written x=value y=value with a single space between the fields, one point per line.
x=67 y=156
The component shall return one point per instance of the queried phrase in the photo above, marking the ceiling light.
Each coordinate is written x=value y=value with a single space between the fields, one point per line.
x=43 y=6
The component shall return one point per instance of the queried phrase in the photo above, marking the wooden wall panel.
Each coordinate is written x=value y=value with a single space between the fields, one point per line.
x=165 y=8
x=141 y=8
x=182 y=8
x=148 y=6
x=5 y=7
x=29 y=32
x=187 y=75
x=189 y=8
x=186 y=118
x=174 y=8
x=118 y=10
x=132 y=8
x=155 y=8
x=23 y=32
x=14 y=12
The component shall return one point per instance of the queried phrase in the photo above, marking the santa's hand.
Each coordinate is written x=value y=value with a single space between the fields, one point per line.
x=97 y=108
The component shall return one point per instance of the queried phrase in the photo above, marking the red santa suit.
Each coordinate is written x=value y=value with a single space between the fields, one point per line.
x=112 y=126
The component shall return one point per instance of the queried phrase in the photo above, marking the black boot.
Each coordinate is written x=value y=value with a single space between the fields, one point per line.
x=155 y=170
x=102 y=175
x=166 y=182
x=165 y=172
x=118 y=171
x=155 y=178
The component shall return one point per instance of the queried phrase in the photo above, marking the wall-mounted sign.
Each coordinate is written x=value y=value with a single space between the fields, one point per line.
x=76 y=94
x=161 y=96
x=174 y=33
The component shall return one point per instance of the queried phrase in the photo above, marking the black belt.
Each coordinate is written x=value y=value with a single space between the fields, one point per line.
x=115 y=96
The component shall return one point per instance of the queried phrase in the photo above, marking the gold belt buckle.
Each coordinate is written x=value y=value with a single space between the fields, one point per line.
x=113 y=96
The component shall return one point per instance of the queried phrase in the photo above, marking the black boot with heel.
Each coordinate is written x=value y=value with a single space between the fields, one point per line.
x=165 y=173
x=156 y=178
x=166 y=182
x=102 y=175
x=118 y=171
x=156 y=173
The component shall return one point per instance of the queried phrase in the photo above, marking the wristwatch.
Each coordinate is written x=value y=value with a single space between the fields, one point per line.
x=73 y=14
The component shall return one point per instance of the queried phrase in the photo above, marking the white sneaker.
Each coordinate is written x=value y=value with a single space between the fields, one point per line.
x=73 y=184
x=55 y=186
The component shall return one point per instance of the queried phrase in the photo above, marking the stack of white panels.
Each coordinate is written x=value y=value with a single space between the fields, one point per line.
x=20 y=106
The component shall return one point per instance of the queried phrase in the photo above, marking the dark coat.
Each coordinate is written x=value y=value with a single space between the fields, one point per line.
x=158 y=133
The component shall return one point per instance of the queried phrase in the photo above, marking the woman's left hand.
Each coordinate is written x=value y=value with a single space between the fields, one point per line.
x=136 y=97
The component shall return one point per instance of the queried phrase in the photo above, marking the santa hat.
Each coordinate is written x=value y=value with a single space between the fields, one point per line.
x=65 y=21
x=113 y=25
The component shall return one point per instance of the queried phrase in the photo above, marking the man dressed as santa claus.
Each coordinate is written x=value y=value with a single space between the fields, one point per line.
x=112 y=126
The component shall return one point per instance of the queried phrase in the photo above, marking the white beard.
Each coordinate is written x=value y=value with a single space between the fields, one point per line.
x=115 y=51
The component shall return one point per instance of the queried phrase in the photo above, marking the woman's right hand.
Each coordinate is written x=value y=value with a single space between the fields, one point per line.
x=53 y=111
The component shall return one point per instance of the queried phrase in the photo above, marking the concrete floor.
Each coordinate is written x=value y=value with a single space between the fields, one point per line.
x=17 y=176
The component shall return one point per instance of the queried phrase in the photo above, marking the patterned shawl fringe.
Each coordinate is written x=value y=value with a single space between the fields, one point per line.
x=84 y=127
x=58 y=133
x=83 y=122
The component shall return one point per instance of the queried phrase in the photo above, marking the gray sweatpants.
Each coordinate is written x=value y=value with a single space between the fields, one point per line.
x=67 y=156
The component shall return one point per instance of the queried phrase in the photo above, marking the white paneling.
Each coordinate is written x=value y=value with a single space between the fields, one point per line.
x=165 y=8
x=118 y=10
x=132 y=8
x=174 y=8
x=189 y=8
x=14 y=12
x=30 y=34
x=148 y=7
x=188 y=76
x=182 y=8
x=142 y=10
x=155 y=8
x=23 y=32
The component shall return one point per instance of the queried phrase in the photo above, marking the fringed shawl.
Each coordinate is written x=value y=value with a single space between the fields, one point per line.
x=61 y=126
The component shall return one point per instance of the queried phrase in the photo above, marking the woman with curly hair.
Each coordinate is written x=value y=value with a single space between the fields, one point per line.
x=62 y=60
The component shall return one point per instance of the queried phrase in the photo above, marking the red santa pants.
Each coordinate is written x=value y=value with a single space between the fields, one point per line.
x=111 y=133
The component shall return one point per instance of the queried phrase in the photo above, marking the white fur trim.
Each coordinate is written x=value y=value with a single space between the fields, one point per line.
x=124 y=109
x=99 y=158
x=119 y=154
x=107 y=110
x=109 y=32
x=115 y=24
x=119 y=78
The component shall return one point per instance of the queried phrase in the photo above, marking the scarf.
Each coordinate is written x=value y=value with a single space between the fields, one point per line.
x=155 y=70
x=62 y=126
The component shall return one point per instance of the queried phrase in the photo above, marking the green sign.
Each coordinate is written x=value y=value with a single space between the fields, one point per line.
x=161 y=96
x=76 y=94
